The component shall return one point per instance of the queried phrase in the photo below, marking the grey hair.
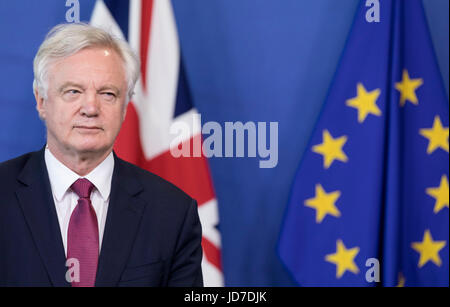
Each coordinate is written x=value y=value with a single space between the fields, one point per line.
x=65 y=40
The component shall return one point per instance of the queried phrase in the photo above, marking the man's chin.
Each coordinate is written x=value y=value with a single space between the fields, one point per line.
x=92 y=149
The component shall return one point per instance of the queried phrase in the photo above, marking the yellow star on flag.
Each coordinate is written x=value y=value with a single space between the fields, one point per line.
x=440 y=194
x=324 y=203
x=401 y=281
x=365 y=102
x=428 y=249
x=407 y=88
x=437 y=136
x=344 y=259
x=331 y=149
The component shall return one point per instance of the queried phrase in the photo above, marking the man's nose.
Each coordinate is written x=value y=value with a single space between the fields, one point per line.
x=90 y=105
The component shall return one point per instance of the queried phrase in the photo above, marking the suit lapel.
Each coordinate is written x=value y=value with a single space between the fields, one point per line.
x=36 y=201
x=122 y=222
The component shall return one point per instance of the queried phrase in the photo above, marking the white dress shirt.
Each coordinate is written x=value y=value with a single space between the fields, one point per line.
x=61 y=178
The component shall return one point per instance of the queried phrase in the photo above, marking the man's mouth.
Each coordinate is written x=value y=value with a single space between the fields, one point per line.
x=87 y=128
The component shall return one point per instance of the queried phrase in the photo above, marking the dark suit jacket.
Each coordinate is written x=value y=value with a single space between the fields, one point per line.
x=152 y=234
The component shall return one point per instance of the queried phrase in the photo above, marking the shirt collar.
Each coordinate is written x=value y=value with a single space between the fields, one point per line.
x=61 y=177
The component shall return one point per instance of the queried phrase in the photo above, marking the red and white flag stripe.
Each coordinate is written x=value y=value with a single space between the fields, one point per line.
x=145 y=137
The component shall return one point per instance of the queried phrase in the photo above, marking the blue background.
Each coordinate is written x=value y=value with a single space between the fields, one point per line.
x=246 y=60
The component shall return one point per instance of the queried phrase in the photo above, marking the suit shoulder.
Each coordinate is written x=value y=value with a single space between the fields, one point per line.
x=13 y=166
x=157 y=184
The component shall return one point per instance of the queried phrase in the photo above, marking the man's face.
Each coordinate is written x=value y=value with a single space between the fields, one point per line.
x=85 y=108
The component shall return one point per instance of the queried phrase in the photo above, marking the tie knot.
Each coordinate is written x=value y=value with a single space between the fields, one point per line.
x=82 y=187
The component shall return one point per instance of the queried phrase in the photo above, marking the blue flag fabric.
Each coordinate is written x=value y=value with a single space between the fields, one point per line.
x=370 y=201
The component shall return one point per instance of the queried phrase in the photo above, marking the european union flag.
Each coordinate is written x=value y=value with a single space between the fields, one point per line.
x=370 y=201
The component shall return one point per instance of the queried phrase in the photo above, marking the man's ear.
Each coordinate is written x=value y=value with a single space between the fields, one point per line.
x=40 y=104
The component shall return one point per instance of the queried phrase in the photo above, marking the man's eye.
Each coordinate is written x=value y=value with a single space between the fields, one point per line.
x=109 y=94
x=73 y=92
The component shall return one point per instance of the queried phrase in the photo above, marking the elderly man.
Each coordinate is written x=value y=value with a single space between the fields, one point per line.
x=73 y=213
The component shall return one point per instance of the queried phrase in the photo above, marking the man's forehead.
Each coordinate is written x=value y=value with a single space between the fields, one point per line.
x=88 y=64
x=95 y=57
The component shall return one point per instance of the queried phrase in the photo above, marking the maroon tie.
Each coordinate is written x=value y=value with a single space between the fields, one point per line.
x=82 y=236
